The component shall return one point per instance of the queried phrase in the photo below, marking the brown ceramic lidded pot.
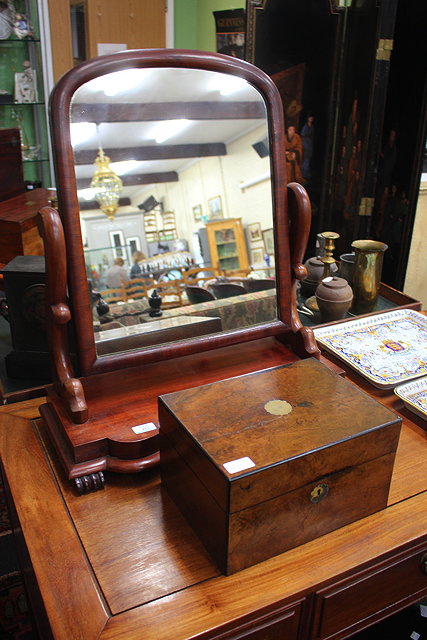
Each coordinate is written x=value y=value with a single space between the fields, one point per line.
x=334 y=296
x=315 y=268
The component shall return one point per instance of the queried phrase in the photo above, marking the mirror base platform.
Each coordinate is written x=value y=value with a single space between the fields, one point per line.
x=88 y=474
x=122 y=405
x=121 y=434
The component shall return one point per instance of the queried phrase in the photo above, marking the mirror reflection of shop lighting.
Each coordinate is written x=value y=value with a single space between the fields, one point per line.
x=250 y=183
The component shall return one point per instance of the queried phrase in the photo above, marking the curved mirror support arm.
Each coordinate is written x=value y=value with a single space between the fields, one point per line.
x=299 y=208
x=58 y=314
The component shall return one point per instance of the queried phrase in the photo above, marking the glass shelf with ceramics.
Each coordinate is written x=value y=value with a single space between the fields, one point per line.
x=22 y=95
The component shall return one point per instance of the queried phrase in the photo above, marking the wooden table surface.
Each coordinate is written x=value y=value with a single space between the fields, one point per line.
x=123 y=563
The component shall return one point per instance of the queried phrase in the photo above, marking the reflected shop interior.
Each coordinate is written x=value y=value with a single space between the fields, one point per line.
x=182 y=243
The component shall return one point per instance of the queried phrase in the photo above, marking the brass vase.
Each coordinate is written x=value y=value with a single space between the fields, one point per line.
x=368 y=266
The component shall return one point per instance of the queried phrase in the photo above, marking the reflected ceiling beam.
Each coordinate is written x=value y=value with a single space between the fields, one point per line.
x=157 y=152
x=84 y=205
x=136 y=112
x=137 y=179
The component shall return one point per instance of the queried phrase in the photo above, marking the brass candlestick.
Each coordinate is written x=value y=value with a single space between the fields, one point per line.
x=328 y=259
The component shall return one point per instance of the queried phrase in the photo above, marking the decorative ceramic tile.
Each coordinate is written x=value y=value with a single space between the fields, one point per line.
x=414 y=395
x=387 y=348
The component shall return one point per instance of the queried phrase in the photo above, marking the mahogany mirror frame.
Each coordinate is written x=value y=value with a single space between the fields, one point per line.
x=289 y=251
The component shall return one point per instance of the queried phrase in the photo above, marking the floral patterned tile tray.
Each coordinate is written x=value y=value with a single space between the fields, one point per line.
x=387 y=348
x=414 y=396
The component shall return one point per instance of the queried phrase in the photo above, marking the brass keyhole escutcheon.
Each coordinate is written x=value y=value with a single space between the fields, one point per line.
x=319 y=492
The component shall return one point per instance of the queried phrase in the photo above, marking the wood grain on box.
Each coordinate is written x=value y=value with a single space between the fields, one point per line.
x=324 y=464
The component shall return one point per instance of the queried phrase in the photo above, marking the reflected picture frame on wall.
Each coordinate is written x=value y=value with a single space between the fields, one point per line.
x=254 y=232
x=257 y=255
x=215 y=208
x=197 y=212
x=268 y=237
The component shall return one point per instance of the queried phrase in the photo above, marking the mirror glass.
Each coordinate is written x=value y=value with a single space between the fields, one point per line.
x=191 y=148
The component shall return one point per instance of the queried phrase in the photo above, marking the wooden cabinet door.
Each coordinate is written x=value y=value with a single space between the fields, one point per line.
x=139 y=24
x=371 y=595
x=227 y=245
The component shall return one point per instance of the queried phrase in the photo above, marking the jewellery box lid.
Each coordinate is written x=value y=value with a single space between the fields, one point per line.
x=262 y=434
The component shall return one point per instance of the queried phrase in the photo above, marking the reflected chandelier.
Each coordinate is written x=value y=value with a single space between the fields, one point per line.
x=106 y=185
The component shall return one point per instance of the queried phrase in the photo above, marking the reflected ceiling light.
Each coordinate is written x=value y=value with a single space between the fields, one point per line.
x=106 y=185
x=227 y=85
x=169 y=128
x=82 y=131
x=124 y=167
x=86 y=194
x=113 y=83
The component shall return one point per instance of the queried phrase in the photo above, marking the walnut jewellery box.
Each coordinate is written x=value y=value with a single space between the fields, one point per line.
x=264 y=462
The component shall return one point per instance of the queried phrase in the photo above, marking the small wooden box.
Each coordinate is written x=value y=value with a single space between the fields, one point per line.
x=11 y=171
x=253 y=484
x=19 y=235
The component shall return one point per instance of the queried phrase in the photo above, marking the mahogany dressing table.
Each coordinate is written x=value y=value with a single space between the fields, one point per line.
x=123 y=563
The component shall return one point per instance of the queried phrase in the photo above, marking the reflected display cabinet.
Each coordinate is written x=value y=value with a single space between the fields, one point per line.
x=227 y=245
x=22 y=87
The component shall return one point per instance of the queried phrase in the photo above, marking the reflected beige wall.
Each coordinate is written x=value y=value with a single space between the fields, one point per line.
x=416 y=273
x=213 y=176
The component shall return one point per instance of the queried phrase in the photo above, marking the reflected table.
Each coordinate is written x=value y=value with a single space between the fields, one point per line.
x=388 y=299
x=155 y=332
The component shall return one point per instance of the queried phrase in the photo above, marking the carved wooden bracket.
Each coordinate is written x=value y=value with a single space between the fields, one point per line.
x=299 y=210
x=58 y=314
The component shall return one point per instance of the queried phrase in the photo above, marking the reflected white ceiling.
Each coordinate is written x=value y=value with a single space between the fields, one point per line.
x=147 y=97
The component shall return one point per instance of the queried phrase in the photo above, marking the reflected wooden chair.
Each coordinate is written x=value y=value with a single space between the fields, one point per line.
x=236 y=273
x=226 y=289
x=136 y=288
x=258 y=284
x=114 y=295
x=194 y=275
x=196 y=294
x=170 y=291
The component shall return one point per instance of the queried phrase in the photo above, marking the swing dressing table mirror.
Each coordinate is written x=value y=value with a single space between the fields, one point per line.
x=106 y=418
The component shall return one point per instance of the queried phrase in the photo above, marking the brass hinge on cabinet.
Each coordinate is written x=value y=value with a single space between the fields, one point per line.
x=366 y=206
x=385 y=47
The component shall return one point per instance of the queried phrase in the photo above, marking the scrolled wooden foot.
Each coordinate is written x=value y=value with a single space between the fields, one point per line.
x=89 y=483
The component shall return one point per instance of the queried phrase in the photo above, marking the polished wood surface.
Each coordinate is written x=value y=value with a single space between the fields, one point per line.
x=123 y=562
x=99 y=443
x=58 y=315
x=60 y=34
x=18 y=225
x=12 y=174
x=334 y=442
x=135 y=24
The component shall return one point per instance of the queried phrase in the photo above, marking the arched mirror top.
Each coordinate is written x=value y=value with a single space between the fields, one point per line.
x=177 y=119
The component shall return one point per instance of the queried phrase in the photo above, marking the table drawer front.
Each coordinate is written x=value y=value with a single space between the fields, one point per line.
x=359 y=601
x=277 y=625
